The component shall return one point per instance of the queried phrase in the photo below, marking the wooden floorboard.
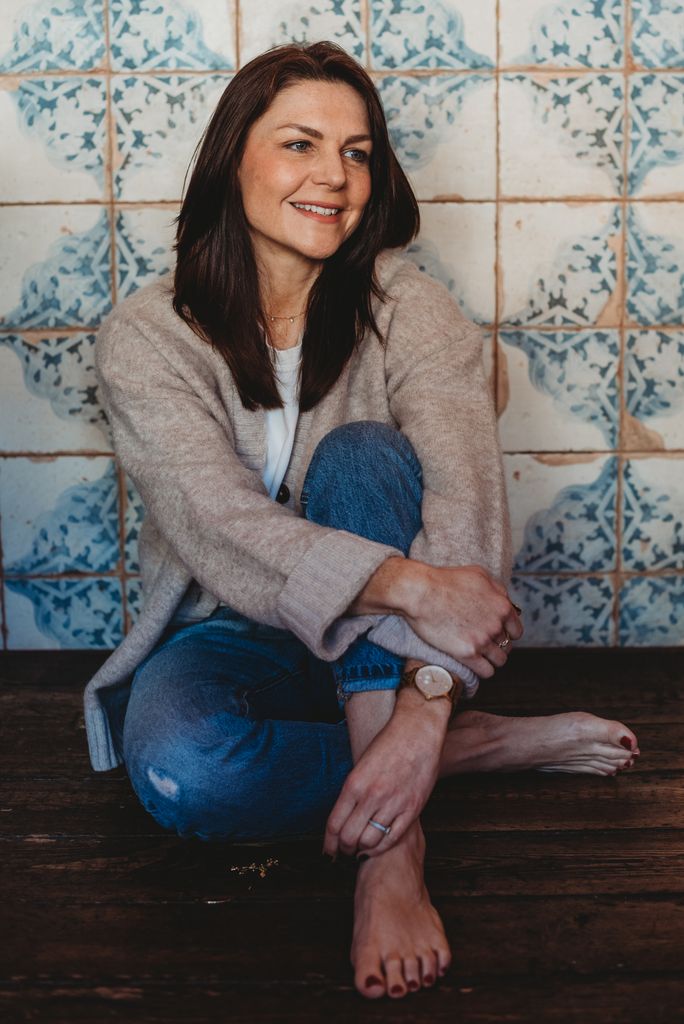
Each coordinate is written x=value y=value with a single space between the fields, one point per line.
x=563 y=897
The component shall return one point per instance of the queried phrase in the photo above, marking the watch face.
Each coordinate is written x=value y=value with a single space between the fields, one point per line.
x=433 y=681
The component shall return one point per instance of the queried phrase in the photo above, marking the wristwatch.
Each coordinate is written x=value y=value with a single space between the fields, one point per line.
x=434 y=683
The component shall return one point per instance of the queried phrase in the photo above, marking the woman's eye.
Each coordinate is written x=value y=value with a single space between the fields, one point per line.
x=300 y=146
x=359 y=156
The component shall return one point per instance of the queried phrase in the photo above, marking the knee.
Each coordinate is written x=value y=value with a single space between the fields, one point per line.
x=187 y=791
x=365 y=446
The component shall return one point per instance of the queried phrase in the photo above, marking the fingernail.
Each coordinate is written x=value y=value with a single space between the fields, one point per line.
x=626 y=743
x=372 y=980
x=396 y=989
x=518 y=610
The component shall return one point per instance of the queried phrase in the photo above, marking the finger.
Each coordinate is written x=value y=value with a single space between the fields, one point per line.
x=513 y=625
x=336 y=821
x=399 y=826
x=479 y=665
x=496 y=654
x=371 y=836
x=355 y=828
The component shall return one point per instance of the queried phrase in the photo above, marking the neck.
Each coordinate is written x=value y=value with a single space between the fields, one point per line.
x=285 y=284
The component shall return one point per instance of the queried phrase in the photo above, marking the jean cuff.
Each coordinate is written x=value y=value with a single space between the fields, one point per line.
x=362 y=680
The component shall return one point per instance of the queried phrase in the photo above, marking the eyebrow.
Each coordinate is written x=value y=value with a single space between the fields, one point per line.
x=315 y=134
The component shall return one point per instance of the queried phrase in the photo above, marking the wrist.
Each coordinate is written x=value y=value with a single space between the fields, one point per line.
x=396 y=587
x=432 y=715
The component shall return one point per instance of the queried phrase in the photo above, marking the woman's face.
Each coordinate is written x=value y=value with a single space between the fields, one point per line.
x=305 y=172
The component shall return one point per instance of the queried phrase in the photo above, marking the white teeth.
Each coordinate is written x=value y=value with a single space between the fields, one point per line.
x=317 y=209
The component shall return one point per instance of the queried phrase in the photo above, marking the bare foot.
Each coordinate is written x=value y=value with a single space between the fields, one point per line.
x=575 y=742
x=399 y=943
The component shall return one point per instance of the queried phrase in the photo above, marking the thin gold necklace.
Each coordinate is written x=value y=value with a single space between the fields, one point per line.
x=290 y=318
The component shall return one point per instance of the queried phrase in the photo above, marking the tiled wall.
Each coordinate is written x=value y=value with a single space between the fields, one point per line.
x=546 y=144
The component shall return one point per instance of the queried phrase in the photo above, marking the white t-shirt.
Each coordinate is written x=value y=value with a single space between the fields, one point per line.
x=281 y=423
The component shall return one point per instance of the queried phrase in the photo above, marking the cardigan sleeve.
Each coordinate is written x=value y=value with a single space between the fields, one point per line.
x=442 y=403
x=249 y=552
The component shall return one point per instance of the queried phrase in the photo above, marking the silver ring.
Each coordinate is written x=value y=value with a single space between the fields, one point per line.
x=504 y=643
x=383 y=828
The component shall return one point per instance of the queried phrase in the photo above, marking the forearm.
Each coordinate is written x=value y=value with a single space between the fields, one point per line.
x=368 y=713
x=395 y=587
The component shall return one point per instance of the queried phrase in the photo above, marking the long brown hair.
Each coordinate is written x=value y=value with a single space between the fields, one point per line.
x=216 y=287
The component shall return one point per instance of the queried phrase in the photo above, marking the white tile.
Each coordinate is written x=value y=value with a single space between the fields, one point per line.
x=561 y=136
x=47 y=395
x=456 y=245
x=271 y=22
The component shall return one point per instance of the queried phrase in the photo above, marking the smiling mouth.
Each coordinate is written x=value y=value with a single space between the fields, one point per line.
x=323 y=211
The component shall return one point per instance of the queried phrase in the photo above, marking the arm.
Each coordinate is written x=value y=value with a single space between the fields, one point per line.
x=396 y=746
x=174 y=437
x=450 y=592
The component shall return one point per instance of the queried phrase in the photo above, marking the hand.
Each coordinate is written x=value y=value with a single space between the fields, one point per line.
x=392 y=780
x=466 y=613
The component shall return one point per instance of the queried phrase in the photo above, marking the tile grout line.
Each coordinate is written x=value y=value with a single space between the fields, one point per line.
x=111 y=153
x=622 y=286
x=498 y=277
x=238 y=56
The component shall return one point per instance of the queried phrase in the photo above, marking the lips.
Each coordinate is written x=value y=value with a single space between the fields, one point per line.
x=319 y=209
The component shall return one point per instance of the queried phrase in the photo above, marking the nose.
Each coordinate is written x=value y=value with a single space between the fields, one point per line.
x=329 y=170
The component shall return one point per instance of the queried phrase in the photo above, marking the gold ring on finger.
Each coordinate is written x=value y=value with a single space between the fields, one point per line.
x=503 y=644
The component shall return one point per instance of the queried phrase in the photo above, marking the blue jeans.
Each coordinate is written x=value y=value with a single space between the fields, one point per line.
x=234 y=729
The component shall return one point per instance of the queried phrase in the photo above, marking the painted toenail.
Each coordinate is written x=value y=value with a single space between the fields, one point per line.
x=626 y=743
x=413 y=985
x=396 y=989
x=372 y=980
x=428 y=979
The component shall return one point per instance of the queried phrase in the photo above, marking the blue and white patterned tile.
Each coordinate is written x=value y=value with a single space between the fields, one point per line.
x=563 y=512
x=443 y=130
x=55 y=266
x=560 y=389
x=48 y=394
x=561 y=136
x=146 y=35
x=655 y=263
x=565 y=611
x=583 y=33
x=158 y=122
x=51 y=35
x=652 y=612
x=272 y=22
x=54 y=614
x=441 y=34
x=134 y=600
x=656 y=132
x=653 y=513
x=559 y=263
x=654 y=389
x=133 y=516
x=144 y=246
x=456 y=245
x=59 y=515
x=53 y=132
x=658 y=33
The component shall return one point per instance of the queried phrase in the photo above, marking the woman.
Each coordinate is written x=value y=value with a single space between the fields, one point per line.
x=277 y=686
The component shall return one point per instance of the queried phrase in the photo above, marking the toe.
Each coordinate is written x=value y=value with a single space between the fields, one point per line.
x=428 y=966
x=369 y=976
x=412 y=973
x=394 y=972
x=443 y=960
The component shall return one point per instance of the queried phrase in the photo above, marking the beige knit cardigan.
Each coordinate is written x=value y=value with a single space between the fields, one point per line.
x=212 y=535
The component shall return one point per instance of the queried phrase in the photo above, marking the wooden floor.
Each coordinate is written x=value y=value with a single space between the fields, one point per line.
x=563 y=897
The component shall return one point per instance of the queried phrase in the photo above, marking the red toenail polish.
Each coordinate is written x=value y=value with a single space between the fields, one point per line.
x=396 y=989
x=372 y=980
x=428 y=979
x=413 y=985
x=626 y=743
